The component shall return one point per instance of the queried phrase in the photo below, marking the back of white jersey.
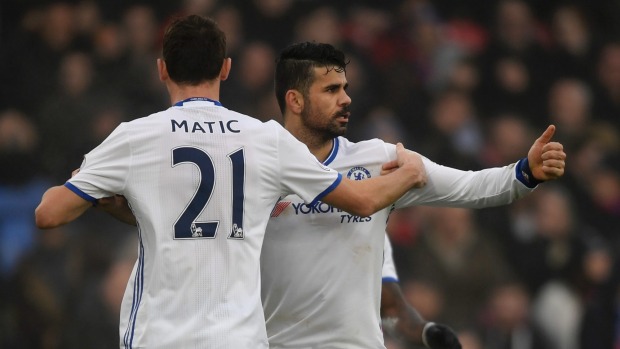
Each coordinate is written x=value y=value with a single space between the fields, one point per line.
x=201 y=181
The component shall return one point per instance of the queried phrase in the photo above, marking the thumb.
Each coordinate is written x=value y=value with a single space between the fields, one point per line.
x=547 y=135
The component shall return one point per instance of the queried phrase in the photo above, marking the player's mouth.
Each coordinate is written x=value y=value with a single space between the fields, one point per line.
x=343 y=117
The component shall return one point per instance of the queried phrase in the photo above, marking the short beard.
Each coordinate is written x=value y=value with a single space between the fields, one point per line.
x=322 y=132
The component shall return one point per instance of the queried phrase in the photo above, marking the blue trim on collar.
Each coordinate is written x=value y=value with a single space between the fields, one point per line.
x=334 y=152
x=193 y=99
x=387 y=279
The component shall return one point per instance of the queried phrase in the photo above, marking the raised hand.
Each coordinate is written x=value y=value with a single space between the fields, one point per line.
x=547 y=158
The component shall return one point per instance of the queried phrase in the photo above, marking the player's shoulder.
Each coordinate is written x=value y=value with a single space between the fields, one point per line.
x=251 y=121
x=365 y=144
x=371 y=146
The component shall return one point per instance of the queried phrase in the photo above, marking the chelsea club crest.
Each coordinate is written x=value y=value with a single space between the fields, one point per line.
x=358 y=173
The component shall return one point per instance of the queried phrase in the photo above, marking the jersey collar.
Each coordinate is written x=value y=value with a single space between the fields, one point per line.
x=333 y=153
x=198 y=99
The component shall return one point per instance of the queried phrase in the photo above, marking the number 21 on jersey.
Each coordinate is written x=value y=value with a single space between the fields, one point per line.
x=187 y=226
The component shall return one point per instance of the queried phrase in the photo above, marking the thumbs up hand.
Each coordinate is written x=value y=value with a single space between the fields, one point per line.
x=547 y=158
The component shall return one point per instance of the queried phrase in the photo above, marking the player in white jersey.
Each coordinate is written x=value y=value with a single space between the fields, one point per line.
x=201 y=181
x=320 y=266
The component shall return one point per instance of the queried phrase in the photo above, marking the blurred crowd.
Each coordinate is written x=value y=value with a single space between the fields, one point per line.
x=468 y=84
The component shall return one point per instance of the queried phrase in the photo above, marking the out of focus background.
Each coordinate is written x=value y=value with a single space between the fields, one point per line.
x=469 y=84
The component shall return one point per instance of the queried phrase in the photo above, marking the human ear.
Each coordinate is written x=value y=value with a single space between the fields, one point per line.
x=294 y=101
x=162 y=70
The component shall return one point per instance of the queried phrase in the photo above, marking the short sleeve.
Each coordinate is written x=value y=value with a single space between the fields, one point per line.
x=105 y=169
x=301 y=173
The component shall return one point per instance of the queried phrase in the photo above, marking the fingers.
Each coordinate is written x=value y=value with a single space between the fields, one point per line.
x=553 y=147
x=553 y=172
x=386 y=172
x=390 y=165
x=553 y=160
x=547 y=135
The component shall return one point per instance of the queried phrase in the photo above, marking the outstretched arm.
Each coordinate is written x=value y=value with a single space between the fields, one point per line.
x=410 y=326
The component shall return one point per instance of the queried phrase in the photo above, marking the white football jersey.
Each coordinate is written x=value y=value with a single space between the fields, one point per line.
x=201 y=181
x=322 y=267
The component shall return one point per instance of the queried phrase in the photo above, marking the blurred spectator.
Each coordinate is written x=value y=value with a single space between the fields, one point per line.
x=250 y=89
x=607 y=102
x=455 y=137
x=552 y=246
x=141 y=87
x=453 y=255
x=21 y=183
x=87 y=17
x=404 y=227
x=465 y=77
x=32 y=57
x=506 y=321
x=575 y=47
x=103 y=296
x=70 y=110
x=264 y=18
x=592 y=177
x=515 y=65
x=426 y=297
x=557 y=310
x=383 y=123
x=570 y=103
x=512 y=91
x=598 y=291
x=508 y=139
x=42 y=291
x=230 y=20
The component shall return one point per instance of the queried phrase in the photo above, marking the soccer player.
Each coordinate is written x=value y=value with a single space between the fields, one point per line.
x=201 y=181
x=321 y=266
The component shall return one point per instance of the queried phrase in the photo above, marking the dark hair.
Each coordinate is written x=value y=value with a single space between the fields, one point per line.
x=296 y=63
x=194 y=49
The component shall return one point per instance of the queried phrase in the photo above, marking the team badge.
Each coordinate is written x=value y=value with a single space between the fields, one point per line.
x=358 y=173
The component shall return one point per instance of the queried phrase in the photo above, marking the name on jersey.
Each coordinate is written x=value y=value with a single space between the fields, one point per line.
x=322 y=208
x=205 y=126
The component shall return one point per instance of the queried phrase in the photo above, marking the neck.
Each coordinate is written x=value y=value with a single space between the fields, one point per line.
x=318 y=145
x=209 y=90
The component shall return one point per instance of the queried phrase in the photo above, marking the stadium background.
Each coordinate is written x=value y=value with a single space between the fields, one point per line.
x=468 y=84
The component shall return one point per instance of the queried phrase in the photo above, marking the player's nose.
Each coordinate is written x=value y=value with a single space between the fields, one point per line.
x=345 y=99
